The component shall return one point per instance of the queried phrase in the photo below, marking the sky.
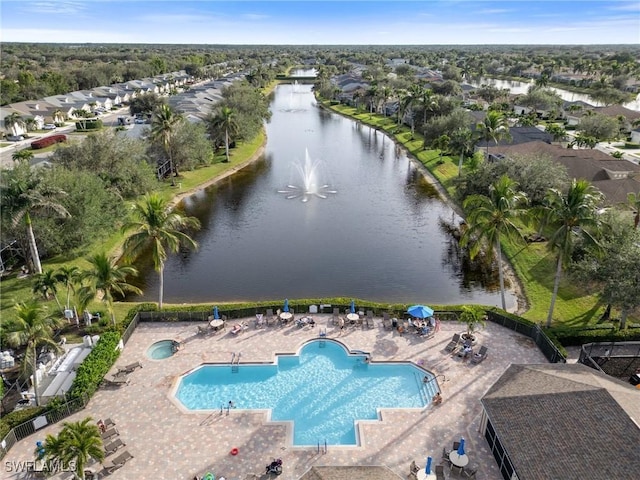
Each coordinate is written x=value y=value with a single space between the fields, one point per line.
x=301 y=22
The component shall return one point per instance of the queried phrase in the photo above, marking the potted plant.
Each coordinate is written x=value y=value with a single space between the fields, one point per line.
x=473 y=317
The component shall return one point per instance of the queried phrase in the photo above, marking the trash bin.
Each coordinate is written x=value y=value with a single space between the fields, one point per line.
x=635 y=379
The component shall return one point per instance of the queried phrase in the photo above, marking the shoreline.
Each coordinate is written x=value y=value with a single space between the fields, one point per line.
x=516 y=287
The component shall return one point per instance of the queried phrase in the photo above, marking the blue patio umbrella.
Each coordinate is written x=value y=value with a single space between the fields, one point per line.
x=216 y=315
x=420 y=311
x=353 y=307
x=427 y=469
x=461 y=447
x=286 y=305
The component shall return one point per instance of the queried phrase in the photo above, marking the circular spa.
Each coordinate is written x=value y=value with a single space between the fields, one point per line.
x=161 y=350
x=324 y=390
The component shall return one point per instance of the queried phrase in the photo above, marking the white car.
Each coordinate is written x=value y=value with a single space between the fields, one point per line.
x=49 y=126
x=15 y=138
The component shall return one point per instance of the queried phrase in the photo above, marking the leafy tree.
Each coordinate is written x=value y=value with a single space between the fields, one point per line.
x=32 y=329
x=598 y=126
x=541 y=99
x=23 y=194
x=494 y=127
x=24 y=154
x=441 y=143
x=570 y=216
x=145 y=104
x=250 y=108
x=491 y=218
x=473 y=316
x=584 y=140
x=633 y=200
x=158 y=230
x=556 y=131
x=164 y=123
x=443 y=125
x=190 y=147
x=76 y=444
x=106 y=278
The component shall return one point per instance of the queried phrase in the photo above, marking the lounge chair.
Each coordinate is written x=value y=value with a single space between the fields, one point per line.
x=116 y=381
x=270 y=318
x=111 y=464
x=113 y=446
x=110 y=433
x=369 y=318
x=453 y=344
x=481 y=355
x=108 y=423
x=386 y=321
x=336 y=314
x=440 y=472
x=130 y=368
x=239 y=328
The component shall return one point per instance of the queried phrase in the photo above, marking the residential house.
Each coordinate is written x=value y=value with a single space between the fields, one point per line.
x=16 y=129
x=618 y=111
x=615 y=178
x=67 y=104
x=562 y=421
x=519 y=135
x=635 y=136
x=573 y=111
x=39 y=111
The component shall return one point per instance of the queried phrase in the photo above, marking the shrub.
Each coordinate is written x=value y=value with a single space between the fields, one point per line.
x=86 y=125
x=631 y=145
x=18 y=417
x=598 y=333
x=91 y=372
x=47 y=141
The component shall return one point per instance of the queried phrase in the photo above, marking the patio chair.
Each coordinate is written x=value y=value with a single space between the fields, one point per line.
x=481 y=355
x=110 y=433
x=386 y=321
x=130 y=368
x=456 y=445
x=445 y=457
x=113 y=446
x=470 y=471
x=440 y=472
x=260 y=321
x=412 y=476
x=269 y=316
x=453 y=344
x=336 y=315
x=369 y=318
x=204 y=331
x=111 y=464
x=413 y=468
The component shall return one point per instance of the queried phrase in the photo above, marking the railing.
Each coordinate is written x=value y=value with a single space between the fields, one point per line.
x=33 y=425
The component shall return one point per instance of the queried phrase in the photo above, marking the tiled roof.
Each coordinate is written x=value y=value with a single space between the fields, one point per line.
x=349 y=473
x=566 y=421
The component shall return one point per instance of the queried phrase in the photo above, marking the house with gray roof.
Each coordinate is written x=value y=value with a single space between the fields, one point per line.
x=562 y=422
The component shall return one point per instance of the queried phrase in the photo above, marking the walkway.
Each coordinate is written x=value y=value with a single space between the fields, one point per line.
x=169 y=444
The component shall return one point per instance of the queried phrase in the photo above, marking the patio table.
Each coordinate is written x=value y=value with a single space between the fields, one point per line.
x=458 y=460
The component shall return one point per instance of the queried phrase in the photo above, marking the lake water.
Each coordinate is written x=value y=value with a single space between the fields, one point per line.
x=377 y=237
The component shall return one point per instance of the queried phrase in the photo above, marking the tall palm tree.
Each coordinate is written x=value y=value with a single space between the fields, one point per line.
x=462 y=142
x=15 y=124
x=491 y=218
x=633 y=200
x=45 y=283
x=22 y=194
x=159 y=229
x=224 y=121
x=428 y=101
x=163 y=125
x=106 y=278
x=32 y=329
x=571 y=216
x=494 y=127
x=76 y=443
x=58 y=116
x=68 y=276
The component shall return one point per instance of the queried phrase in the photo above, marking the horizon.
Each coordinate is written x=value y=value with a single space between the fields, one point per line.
x=323 y=23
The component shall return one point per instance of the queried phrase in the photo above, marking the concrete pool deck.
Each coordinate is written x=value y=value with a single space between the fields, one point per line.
x=168 y=443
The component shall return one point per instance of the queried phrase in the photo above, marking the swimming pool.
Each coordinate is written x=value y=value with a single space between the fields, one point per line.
x=323 y=390
x=161 y=350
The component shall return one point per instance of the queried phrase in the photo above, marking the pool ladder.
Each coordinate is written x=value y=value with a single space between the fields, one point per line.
x=422 y=386
x=323 y=336
x=235 y=362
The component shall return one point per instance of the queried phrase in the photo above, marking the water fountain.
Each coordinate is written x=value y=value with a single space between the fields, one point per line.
x=310 y=187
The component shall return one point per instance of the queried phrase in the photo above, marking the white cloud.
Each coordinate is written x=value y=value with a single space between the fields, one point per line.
x=493 y=11
x=55 y=8
x=255 y=16
x=629 y=7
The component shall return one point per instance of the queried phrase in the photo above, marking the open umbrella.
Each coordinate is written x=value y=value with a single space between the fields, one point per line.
x=216 y=315
x=353 y=307
x=427 y=469
x=420 y=311
x=286 y=305
x=461 y=447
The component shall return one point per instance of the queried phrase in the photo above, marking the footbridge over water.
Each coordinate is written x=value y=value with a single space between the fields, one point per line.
x=292 y=79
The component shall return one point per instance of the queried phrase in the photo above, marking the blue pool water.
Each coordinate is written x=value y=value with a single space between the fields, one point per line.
x=323 y=390
x=161 y=350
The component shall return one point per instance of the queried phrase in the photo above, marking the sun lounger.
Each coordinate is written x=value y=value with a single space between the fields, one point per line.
x=109 y=423
x=111 y=464
x=480 y=356
x=110 y=433
x=130 y=368
x=113 y=446
x=453 y=344
x=116 y=381
x=239 y=328
x=369 y=319
x=271 y=319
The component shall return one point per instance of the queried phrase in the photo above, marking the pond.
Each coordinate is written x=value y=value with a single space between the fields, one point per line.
x=333 y=208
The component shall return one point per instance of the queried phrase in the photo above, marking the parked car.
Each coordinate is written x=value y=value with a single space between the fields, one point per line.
x=15 y=138
x=139 y=121
x=49 y=126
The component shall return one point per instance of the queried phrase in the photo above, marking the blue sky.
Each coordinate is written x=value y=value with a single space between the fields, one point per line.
x=327 y=22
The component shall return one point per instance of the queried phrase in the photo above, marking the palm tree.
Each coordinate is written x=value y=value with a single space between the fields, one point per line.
x=15 y=124
x=24 y=154
x=32 y=329
x=22 y=194
x=491 y=218
x=163 y=125
x=462 y=142
x=159 y=229
x=68 y=276
x=633 y=200
x=106 y=278
x=570 y=216
x=441 y=144
x=428 y=101
x=76 y=443
x=224 y=121
x=494 y=127
x=58 y=116
x=45 y=283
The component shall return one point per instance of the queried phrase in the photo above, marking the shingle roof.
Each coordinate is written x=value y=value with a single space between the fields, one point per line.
x=615 y=110
x=566 y=421
x=520 y=135
x=350 y=473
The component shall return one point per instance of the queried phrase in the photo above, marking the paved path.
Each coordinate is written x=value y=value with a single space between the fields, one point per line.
x=168 y=443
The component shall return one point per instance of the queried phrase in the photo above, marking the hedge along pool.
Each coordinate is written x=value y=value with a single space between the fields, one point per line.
x=323 y=390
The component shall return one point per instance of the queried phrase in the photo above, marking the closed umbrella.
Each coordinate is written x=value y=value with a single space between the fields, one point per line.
x=353 y=307
x=461 y=447
x=427 y=469
x=216 y=315
x=286 y=305
x=420 y=311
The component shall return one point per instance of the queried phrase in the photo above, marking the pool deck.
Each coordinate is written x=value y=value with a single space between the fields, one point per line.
x=168 y=443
